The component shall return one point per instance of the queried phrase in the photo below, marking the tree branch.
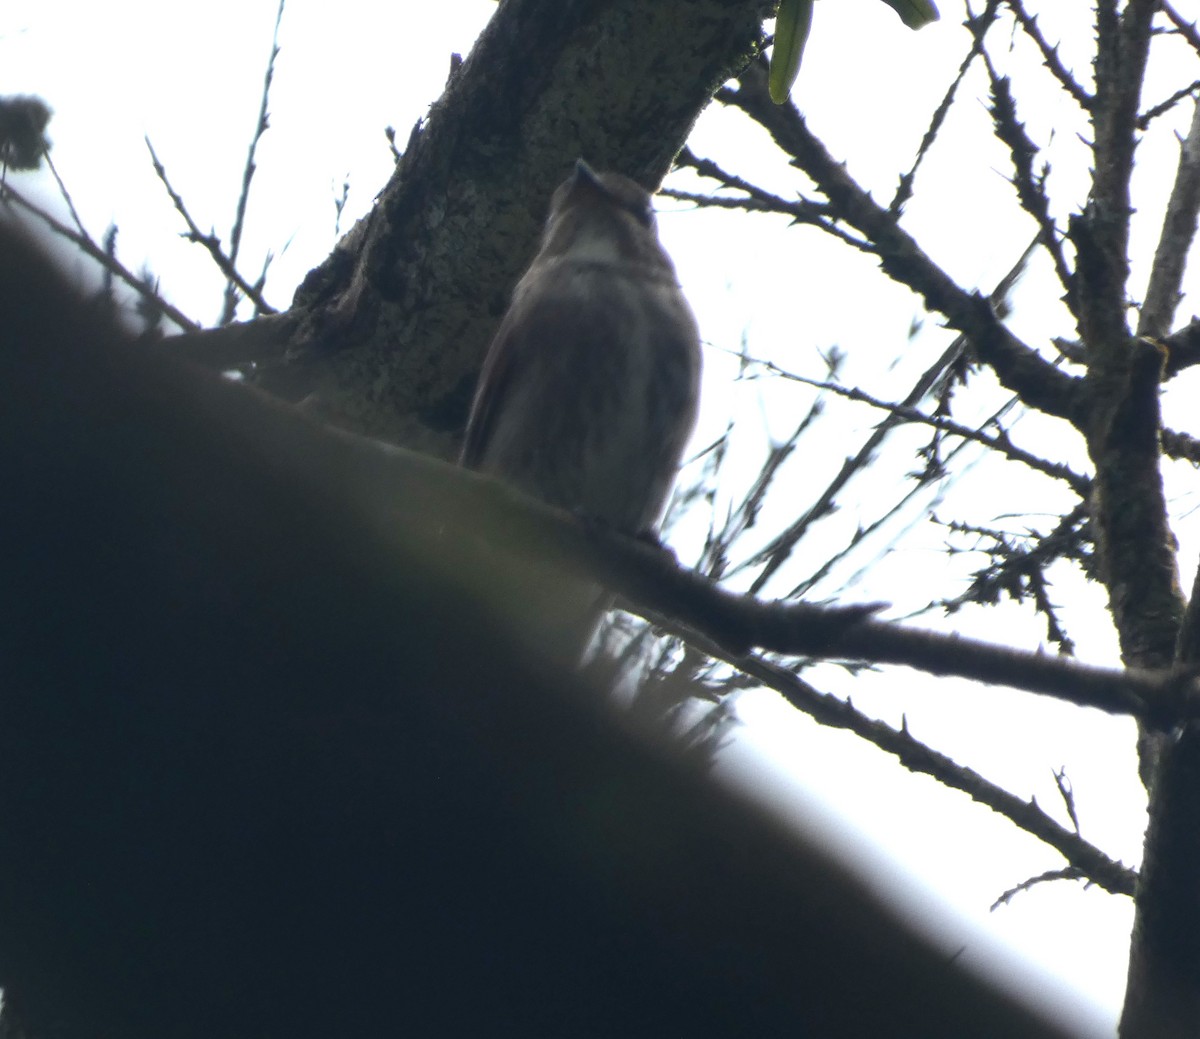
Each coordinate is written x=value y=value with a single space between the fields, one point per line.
x=109 y=263
x=776 y=552
x=1050 y=56
x=756 y=200
x=999 y=442
x=1018 y=367
x=211 y=242
x=1030 y=187
x=248 y=171
x=1183 y=348
x=392 y=329
x=648 y=578
x=979 y=25
x=1019 y=572
x=1181 y=446
x=1175 y=239
x=917 y=757
x=1185 y=29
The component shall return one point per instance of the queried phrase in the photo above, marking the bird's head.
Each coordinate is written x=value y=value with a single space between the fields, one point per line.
x=602 y=218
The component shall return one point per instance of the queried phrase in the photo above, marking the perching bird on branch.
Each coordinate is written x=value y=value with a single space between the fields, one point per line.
x=588 y=394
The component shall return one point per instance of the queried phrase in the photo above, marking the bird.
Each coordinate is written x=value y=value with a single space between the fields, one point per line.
x=589 y=392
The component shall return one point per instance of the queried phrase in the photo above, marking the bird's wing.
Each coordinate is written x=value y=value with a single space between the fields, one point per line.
x=503 y=358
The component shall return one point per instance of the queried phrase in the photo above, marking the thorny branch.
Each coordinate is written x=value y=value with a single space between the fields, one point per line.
x=1164 y=106
x=979 y=25
x=1050 y=56
x=1070 y=873
x=919 y=758
x=999 y=442
x=755 y=200
x=1185 y=29
x=1018 y=367
x=1019 y=571
x=1175 y=240
x=1030 y=187
x=777 y=551
x=649 y=578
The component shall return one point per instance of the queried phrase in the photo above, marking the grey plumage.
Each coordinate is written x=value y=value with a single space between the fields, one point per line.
x=588 y=394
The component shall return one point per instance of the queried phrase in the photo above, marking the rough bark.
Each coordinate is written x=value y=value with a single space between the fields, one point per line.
x=1135 y=544
x=387 y=335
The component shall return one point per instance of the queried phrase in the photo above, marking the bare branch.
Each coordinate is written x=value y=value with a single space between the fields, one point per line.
x=1123 y=44
x=999 y=442
x=1181 y=446
x=745 y=515
x=919 y=758
x=779 y=549
x=756 y=200
x=1019 y=571
x=1016 y=365
x=1185 y=29
x=1135 y=547
x=979 y=25
x=1135 y=544
x=1183 y=348
x=649 y=579
x=1166 y=105
x=1070 y=873
x=235 y=235
x=1050 y=56
x=210 y=241
x=66 y=195
x=1175 y=240
x=1030 y=187
x=110 y=263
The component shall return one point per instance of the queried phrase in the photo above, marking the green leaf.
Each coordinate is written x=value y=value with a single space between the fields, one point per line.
x=914 y=13
x=791 y=33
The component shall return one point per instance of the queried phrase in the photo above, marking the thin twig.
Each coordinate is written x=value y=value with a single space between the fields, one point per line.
x=1011 y=565
x=109 y=263
x=905 y=187
x=235 y=235
x=1000 y=442
x=1185 y=29
x=1050 y=56
x=919 y=758
x=210 y=241
x=777 y=552
x=1175 y=239
x=1030 y=188
x=755 y=200
x=1152 y=113
x=1070 y=873
x=62 y=190
x=1018 y=367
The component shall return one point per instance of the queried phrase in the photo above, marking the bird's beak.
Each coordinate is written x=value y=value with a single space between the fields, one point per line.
x=584 y=174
